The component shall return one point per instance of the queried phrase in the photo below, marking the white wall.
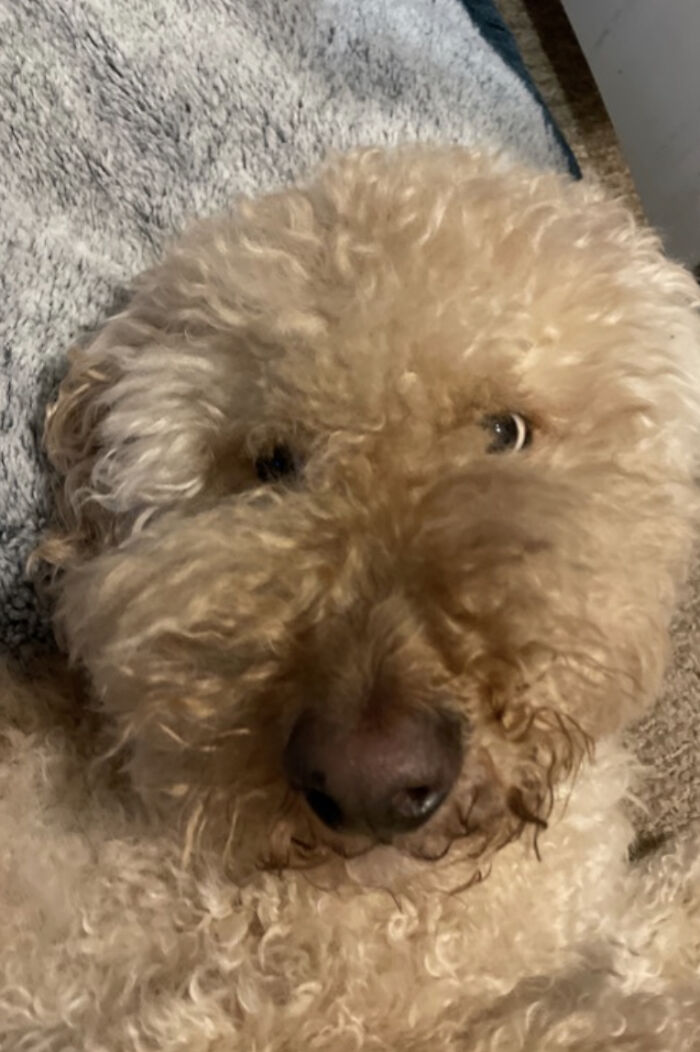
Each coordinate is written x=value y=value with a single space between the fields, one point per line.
x=645 y=57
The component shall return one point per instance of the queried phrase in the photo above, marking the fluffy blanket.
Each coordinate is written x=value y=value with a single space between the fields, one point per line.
x=118 y=121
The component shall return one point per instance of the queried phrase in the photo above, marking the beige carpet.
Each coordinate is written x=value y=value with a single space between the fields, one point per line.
x=668 y=740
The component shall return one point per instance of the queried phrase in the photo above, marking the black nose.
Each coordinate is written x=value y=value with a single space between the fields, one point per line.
x=384 y=776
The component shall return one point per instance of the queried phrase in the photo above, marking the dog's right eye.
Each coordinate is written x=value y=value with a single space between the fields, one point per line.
x=280 y=463
x=509 y=432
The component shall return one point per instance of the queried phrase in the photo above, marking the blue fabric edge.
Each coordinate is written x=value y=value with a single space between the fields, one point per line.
x=497 y=35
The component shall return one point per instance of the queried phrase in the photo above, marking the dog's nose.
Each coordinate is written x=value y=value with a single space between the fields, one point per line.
x=384 y=776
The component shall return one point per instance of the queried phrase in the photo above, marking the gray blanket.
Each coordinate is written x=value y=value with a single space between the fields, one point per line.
x=119 y=120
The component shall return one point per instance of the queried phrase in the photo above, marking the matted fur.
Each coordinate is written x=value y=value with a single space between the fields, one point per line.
x=371 y=322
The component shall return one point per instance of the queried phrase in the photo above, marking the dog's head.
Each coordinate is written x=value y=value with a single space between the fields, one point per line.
x=376 y=498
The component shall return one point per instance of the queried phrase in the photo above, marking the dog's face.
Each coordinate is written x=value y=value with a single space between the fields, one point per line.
x=377 y=497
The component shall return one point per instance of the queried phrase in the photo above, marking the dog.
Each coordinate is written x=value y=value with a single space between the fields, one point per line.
x=375 y=502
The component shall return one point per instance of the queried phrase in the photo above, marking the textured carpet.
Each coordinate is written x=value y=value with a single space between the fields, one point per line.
x=119 y=121
x=668 y=741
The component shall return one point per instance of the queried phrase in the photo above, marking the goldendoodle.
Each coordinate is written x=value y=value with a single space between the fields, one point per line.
x=375 y=501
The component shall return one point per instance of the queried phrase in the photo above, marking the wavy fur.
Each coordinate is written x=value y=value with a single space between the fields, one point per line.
x=370 y=322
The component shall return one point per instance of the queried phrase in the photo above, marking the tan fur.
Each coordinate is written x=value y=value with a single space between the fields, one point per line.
x=371 y=322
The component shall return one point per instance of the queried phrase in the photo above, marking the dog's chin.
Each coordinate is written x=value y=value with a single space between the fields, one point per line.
x=433 y=857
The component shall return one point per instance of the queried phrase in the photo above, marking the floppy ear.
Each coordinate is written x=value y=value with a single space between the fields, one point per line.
x=137 y=416
x=71 y=440
x=158 y=409
x=147 y=403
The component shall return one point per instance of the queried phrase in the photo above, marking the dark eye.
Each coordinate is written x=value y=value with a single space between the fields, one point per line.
x=509 y=431
x=278 y=464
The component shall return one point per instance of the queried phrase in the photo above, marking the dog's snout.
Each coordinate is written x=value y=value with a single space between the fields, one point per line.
x=383 y=776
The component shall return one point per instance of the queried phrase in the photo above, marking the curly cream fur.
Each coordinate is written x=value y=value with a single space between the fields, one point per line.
x=371 y=321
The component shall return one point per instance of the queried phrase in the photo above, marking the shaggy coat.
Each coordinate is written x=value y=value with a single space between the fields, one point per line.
x=419 y=436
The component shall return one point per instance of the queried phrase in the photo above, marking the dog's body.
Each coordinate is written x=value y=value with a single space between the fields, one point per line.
x=376 y=501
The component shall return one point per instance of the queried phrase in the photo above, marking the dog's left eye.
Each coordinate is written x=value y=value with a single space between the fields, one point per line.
x=278 y=464
x=510 y=432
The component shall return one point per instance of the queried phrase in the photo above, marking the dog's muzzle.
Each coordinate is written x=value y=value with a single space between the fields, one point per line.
x=386 y=775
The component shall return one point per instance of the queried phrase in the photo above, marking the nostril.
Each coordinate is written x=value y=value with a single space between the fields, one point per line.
x=416 y=803
x=324 y=807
